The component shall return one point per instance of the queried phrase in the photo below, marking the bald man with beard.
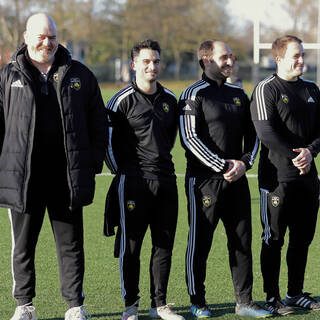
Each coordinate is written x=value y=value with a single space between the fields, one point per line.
x=52 y=143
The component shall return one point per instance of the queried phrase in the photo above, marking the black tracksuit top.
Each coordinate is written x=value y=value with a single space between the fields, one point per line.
x=215 y=125
x=286 y=115
x=142 y=133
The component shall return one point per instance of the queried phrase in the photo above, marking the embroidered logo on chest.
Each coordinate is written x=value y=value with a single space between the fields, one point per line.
x=237 y=101
x=56 y=77
x=311 y=100
x=186 y=108
x=284 y=98
x=17 y=84
x=165 y=107
x=75 y=83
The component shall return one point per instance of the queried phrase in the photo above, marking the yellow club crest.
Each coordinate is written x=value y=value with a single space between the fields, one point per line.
x=275 y=201
x=285 y=98
x=165 y=107
x=75 y=83
x=56 y=77
x=206 y=200
x=237 y=101
x=131 y=205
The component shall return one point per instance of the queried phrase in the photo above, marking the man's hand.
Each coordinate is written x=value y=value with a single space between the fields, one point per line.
x=235 y=171
x=302 y=160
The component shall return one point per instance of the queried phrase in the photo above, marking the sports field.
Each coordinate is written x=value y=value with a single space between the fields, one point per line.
x=102 y=282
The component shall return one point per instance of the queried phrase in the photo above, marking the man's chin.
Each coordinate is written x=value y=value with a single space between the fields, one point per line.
x=226 y=74
x=154 y=79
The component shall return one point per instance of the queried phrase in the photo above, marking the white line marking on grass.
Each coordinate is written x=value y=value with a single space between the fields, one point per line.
x=180 y=175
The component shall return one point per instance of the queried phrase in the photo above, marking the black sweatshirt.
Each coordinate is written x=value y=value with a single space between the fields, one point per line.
x=286 y=115
x=142 y=133
x=215 y=125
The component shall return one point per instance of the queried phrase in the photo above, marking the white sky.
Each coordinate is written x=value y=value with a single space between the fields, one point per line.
x=270 y=12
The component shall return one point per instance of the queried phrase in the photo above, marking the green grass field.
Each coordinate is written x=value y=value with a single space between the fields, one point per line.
x=102 y=281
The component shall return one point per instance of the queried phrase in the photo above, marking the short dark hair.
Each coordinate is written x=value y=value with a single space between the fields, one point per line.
x=205 y=50
x=145 y=44
x=279 y=46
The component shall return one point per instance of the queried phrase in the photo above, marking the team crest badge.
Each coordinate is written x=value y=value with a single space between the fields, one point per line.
x=275 y=200
x=165 y=107
x=75 y=83
x=56 y=77
x=237 y=101
x=206 y=200
x=285 y=98
x=131 y=205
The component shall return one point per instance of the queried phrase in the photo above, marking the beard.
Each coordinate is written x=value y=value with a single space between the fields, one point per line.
x=219 y=75
x=42 y=54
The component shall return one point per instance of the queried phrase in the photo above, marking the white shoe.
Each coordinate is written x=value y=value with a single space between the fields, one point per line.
x=165 y=313
x=76 y=313
x=24 y=313
x=131 y=312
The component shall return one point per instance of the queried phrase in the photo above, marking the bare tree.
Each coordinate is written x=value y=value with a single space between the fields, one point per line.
x=178 y=25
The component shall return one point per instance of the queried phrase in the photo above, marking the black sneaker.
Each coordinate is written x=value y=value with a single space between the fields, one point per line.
x=304 y=301
x=276 y=307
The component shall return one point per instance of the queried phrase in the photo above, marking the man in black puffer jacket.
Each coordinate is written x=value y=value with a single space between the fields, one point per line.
x=52 y=142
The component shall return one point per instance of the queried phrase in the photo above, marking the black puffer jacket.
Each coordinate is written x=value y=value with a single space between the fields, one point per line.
x=84 y=129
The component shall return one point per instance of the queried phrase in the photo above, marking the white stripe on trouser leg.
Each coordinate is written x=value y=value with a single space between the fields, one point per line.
x=191 y=238
x=13 y=243
x=264 y=214
x=123 y=232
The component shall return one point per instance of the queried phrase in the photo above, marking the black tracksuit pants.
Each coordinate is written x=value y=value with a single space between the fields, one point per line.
x=293 y=205
x=48 y=192
x=208 y=201
x=143 y=203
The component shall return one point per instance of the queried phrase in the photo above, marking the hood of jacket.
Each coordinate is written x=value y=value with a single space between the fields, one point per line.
x=63 y=56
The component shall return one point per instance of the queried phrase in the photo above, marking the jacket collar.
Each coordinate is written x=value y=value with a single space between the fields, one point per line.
x=160 y=89
x=211 y=81
x=62 y=57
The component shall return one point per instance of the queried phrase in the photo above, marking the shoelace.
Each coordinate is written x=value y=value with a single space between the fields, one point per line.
x=167 y=307
x=25 y=311
x=82 y=312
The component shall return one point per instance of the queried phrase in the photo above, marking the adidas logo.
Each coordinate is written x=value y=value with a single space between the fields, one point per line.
x=186 y=108
x=17 y=84
x=310 y=99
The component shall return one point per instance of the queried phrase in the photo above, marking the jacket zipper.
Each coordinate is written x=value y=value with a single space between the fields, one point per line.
x=30 y=146
x=64 y=132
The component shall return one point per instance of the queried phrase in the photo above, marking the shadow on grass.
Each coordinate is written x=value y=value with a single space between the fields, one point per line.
x=218 y=310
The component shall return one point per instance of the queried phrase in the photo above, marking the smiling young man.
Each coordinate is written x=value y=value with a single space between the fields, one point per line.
x=220 y=142
x=286 y=113
x=52 y=139
x=143 y=127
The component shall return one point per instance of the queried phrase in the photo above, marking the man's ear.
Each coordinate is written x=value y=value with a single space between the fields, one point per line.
x=25 y=36
x=205 y=60
x=133 y=65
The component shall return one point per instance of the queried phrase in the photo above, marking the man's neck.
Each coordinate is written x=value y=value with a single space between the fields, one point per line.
x=284 y=76
x=42 y=67
x=219 y=80
x=147 y=87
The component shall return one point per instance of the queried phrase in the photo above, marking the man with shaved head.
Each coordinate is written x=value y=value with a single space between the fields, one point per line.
x=52 y=143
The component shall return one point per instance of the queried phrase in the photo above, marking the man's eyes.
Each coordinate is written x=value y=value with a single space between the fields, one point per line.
x=146 y=62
